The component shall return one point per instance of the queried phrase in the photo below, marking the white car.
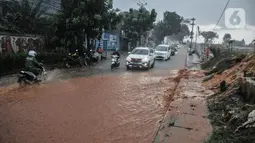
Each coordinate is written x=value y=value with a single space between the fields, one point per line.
x=163 y=52
x=141 y=57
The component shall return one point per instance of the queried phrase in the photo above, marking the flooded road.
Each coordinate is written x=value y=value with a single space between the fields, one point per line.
x=104 y=108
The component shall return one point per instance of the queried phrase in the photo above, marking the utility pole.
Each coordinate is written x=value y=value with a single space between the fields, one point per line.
x=192 y=31
x=197 y=34
x=141 y=4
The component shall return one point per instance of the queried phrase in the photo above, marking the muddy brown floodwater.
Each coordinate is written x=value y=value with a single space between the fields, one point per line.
x=99 y=109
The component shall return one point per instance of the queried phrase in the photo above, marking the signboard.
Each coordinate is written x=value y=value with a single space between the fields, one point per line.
x=106 y=36
x=113 y=38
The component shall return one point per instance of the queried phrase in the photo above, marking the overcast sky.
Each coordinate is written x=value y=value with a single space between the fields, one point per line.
x=206 y=12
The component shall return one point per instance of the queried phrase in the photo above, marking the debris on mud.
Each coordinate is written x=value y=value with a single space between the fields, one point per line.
x=232 y=118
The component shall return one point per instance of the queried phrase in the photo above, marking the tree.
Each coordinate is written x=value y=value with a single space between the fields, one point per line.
x=209 y=36
x=159 y=32
x=22 y=16
x=84 y=16
x=172 y=22
x=183 y=33
x=170 y=25
x=226 y=37
x=137 y=22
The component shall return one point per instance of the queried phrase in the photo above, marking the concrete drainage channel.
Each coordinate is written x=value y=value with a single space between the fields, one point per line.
x=185 y=119
x=176 y=80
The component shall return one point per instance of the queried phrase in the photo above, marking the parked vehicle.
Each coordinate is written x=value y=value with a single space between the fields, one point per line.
x=163 y=52
x=28 y=78
x=94 y=56
x=140 y=57
x=115 y=62
x=73 y=59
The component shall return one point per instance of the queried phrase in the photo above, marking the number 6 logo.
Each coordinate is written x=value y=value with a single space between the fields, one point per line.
x=235 y=18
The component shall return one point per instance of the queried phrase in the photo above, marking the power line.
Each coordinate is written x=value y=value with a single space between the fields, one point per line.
x=139 y=3
x=221 y=15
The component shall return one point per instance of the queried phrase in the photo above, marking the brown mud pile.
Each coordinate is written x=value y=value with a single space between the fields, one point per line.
x=233 y=74
x=228 y=110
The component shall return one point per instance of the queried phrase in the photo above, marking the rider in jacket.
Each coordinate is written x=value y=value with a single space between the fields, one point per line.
x=32 y=64
x=116 y=53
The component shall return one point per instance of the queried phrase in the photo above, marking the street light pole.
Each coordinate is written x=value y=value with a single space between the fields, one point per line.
x=192 y=31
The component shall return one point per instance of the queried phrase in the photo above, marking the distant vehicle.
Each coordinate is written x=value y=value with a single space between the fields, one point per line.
x=173 y=49
x=141 y=57
x=163 y=52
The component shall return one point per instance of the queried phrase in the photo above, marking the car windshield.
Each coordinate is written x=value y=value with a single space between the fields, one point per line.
x=140 y=52
x=161 y=48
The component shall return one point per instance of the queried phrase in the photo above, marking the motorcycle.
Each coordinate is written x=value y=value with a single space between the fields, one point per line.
x=28 y=78
x=72 y=60
x=87 y=60
x=94 y=56
x=115 y=61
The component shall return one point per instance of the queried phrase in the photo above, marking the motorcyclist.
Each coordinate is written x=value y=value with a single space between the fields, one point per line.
x=116 y=53
x=32 y=64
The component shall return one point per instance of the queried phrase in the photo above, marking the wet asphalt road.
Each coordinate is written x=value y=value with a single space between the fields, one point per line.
x=176 y=62
x=110 y=106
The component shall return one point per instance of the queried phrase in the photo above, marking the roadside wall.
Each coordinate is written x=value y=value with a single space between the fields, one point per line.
x=11 y=43
x=247 y=89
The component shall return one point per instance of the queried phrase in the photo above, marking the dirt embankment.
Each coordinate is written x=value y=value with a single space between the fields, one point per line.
x=227 y=109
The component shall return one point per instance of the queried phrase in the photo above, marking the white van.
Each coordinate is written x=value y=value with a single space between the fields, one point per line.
x=163 y=52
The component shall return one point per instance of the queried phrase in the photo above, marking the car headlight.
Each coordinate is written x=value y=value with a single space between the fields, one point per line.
x=128 y=59
x=145 y=60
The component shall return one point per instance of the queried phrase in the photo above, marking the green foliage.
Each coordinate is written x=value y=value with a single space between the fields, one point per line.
x=209 y=35
x=170 y=25
x=182 y=34
x=22 y=16
x=223 y=86
x=12 y=63
x=137 y=22
x=84 y=16
x=227 y=38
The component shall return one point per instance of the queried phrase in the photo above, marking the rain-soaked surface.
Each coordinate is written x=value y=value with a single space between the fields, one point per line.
x=99 y=109
x=120 y=107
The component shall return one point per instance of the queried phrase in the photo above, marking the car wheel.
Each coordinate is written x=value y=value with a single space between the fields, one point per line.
x=128 y=68
x=148 y=66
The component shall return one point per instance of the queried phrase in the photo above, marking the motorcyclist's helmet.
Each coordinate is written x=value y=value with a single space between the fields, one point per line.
x=32 y=53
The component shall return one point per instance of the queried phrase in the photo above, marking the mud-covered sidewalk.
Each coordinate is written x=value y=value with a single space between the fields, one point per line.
x=186 y=119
